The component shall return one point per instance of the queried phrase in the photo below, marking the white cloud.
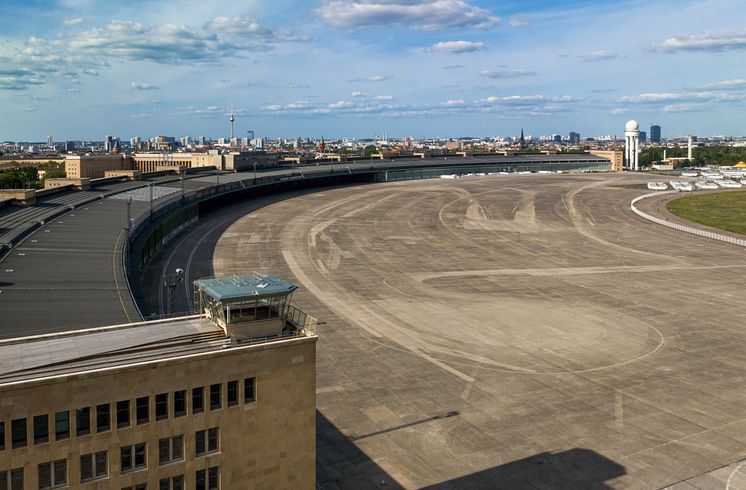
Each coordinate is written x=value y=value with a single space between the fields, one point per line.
x=373 y=78
x=454 y=67
x=679 y=97
x=735 y=84
x=506 y=73
x=76 y=21
x=142 y=86
x=427 y=15
x=519 y=20
x=357 y=94
x=457 y=47
x=673 y=108
x=599 y=56
x=619 y=111
x=704 y=41
x=383 y=97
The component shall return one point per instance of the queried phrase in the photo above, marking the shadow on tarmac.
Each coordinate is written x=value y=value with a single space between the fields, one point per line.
x=341 y=465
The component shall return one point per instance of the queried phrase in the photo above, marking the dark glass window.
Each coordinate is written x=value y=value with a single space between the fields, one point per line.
x=61 y=425
x=133 y=457
x=52 y=475
x=215 y=402
x=2 y=436
x=213 y=478
x=208 y=479
x=179 y=403
x=141 y=486
x=170 y=449
x=232 y=393
x=83 y=421
x=212 y=439
x=93 y=466
x=41 y=429
x=161 y=406
x=11 y=480
x=103 y=417
x=206 y=441
x=173 y=483
x=201 y=480
x=143 y=410
x=123 y=414
x=198 y=400
x=18 y=433
x=248 y=390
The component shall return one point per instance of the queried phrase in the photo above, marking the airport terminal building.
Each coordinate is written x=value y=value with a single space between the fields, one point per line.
x=224 y=399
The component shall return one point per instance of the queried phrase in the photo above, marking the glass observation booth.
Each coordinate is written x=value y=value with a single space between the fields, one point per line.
x=245 y=307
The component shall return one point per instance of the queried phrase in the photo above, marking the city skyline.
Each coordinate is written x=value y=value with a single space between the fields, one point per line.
x=79 y=69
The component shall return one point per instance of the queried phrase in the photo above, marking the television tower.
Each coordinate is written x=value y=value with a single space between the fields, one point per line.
x=231 y=118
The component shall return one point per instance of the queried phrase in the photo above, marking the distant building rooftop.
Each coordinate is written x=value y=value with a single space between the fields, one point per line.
x=240 y=287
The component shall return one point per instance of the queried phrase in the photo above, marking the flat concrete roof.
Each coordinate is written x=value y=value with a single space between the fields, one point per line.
x=77 y=351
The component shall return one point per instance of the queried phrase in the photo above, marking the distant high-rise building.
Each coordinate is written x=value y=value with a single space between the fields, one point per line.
x=655 y=133
x=108 y=143
x=643 y=136
x=574 y=138
x=49 y=141
x=557 y=138
x=522 y=140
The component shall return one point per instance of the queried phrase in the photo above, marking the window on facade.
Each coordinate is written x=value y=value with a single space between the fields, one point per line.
x=2 y=436
x=61 y=425
x=232 y=393
x=161 y=406
x=18 y=433
x=173 y=483
x=52 y=475
x=83 y=421
x=11 y=480
x=133 y=457
x=208 y=479
x=206 y=441
x=170 y=449
x=179 y=403
x=215 y=402
x=141 y=486
x=93 y=466
x=41 y=429
x=198 y=400
x=248 y=390
x=123 y=414
x=103 y=417
x=143 y=410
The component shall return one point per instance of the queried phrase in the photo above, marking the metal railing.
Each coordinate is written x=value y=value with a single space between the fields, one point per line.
x=687 y=229
x=302 y=320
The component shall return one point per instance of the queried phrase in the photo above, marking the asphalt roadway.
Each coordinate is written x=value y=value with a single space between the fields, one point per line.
x=505 y=332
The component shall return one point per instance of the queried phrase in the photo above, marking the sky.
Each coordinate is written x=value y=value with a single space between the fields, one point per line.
x=82 y=69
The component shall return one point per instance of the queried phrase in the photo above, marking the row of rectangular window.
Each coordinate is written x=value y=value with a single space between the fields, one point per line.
x=132 y=458
x=54 y=475
x=41 y=433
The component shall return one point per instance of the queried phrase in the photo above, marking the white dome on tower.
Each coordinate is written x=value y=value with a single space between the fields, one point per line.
x=632 y=126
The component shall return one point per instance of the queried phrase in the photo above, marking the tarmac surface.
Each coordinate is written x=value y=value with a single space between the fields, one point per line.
x=509 y=332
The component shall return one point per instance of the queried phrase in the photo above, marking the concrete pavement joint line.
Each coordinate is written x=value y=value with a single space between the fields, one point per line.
x=732 y=474
x=568 y=271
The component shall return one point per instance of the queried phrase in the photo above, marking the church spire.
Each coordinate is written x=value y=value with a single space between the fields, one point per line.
x=523 y=140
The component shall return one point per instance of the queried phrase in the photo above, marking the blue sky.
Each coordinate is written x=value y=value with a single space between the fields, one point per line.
x=355 y=68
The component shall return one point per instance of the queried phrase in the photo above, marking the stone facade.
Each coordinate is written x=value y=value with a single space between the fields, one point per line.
x=266 y=443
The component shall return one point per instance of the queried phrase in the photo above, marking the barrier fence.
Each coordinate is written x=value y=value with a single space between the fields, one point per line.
x=687 y=229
